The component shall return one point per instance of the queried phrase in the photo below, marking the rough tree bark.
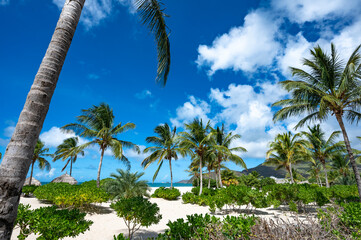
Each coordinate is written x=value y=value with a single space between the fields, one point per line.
x=19 y=152
x=200 y=176
x=31 y=173
x=349 y=151
x=171 y=174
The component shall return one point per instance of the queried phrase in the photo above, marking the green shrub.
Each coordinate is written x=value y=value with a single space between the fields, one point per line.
x=195 y=182
x=166 y=193
x=65 y=195
x=50 y=223
x=28 y=190
x=136 y=212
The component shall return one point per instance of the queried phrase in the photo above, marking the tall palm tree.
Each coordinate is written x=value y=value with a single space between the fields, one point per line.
x=193 y=171
x=340 y=163
x=224 y=152
x=286 y=150
x=126 y=185
x=166 y=148
x=323 y=150
x=39 y=153
x=17 y=158
x=328 y=88
x=196 y=141
x=97 y=122
x=315 y=170
x=69 y=150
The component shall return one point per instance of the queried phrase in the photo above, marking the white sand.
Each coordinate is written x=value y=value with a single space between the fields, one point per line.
x=108 y=224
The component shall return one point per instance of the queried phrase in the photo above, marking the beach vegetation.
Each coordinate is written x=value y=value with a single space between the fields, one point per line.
x=68 y=151
x=330 y=87
x=65 y=195
x=50 y=223
x=28 y=190
x=136 y=212
x=125 y=184
x=166 y=193
x=166 y=148
x=97 y=123
x=40 y=152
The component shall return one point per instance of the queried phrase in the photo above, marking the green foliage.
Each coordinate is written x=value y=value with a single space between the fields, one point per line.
x=74 y=196
x=209 y=227
x=50 y=223
x=137 y=212
x=126 y=185
x=166 y=193
x=27 y=190
x=195 y=182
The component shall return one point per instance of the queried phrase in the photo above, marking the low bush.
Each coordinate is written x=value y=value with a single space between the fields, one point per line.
x=136 y=212
x=50 y=223
x=166 y=193
x=28 y=190
x=74 y=196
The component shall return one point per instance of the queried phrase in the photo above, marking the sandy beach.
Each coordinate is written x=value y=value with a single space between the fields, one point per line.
x=107 y=224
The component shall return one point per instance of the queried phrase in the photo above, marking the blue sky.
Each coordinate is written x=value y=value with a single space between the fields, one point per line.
x=227 y=58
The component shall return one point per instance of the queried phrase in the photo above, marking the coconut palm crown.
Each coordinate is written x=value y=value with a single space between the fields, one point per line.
x=323 y=150
x=196 y=141
x=166 y=148
x=285 y=150
x=328 y=87
x=39 y=153
x=224 y=151
x=69 y=150
x=97 y=123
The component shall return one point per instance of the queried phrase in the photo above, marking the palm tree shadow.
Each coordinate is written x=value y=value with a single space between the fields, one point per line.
x=241 y=211
x=145 y=234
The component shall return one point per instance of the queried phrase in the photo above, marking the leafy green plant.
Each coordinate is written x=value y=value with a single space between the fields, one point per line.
x=50 y=223
x=28 y=190
x=166 y=193
x=137 y=212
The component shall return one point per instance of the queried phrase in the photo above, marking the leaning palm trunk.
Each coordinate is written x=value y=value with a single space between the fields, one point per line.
x=19 y=152
x=349 y=151
x=291 y=174
x=171 y=174
x=200 y=177
x=209 y=179
x=220 y=178
x=100 y=167
x=31 y=173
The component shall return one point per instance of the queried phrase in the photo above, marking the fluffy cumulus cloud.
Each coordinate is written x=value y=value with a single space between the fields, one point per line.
x=263 y=41
x=144 y=94
x=301 y=11
x=194 y=108
x=55 y=136
x=95 y=11
x=245 y=48
x=44 y=174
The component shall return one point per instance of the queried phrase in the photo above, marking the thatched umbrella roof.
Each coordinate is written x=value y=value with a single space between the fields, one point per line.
x=33 y=182
x=66 y=178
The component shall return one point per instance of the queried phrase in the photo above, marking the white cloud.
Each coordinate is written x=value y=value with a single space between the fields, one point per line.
x=301 y=11
x=46 y=174
x=144 y=94
x=194 y=108
x=245 y=48
x=4 y=2
x=55 y=136
x=8 y=131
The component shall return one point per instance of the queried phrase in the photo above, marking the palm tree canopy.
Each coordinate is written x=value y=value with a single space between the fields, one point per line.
x=285 y=150
x=166 y=147
x=69 y=149
x=320 y=148
x=329 y=87
x=39 y=153
x=152 y=15
x=223 y=142
x=98 y=123
x=126 y=184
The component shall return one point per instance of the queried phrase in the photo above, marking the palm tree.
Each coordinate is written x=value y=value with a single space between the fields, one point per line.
x=315 y=170
x=340 y=163
x=69 y=150
x=39 y=153
x=224 y=151
x=97 y=122
x=17 y=158
x=166 y=148
x=126 y=185
x=286 y=150
x=322 y=149
x=330 y=87
x=193 y=171
x=196 y=142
